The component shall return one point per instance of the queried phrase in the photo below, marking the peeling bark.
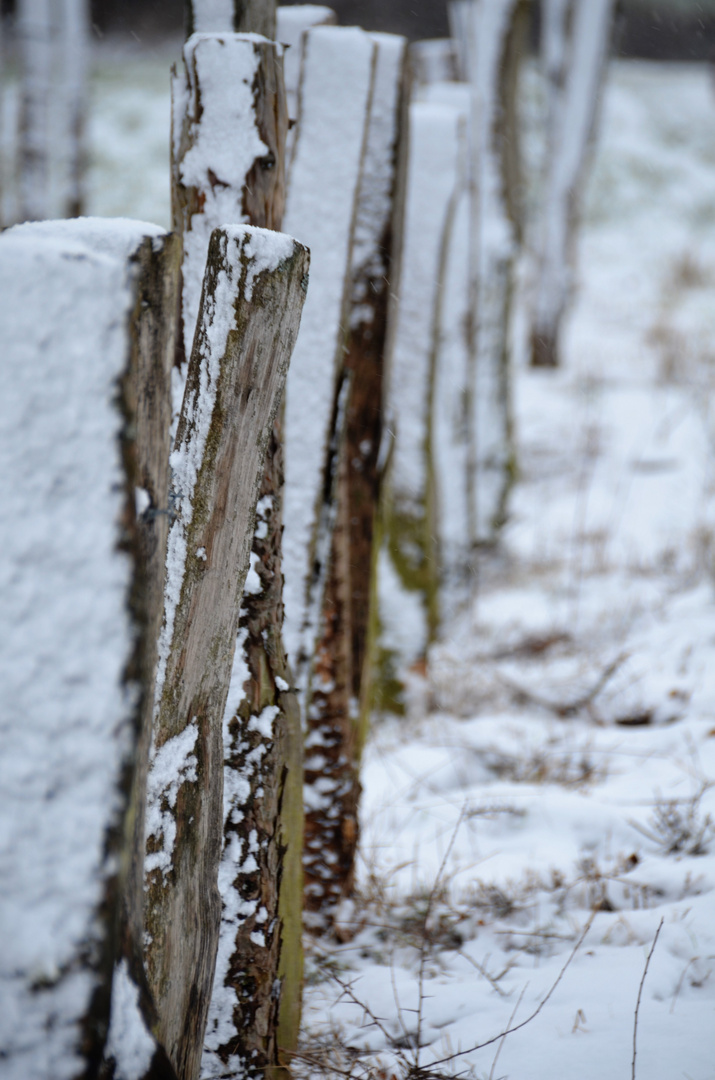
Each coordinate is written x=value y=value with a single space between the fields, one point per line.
x=235 y=380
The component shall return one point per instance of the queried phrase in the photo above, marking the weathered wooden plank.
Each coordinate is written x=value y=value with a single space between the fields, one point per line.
x=324 y=182
x=575 y=41
x=75 y=643
x=239 y=16
x=250 y=1021
x=451 y=416
x=292 y=23
x=251 y=304
x=229 y=124
x=338 y=715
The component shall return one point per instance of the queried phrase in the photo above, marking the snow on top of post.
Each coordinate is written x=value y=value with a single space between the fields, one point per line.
x=374 y=209
x=224 y=143
x=433 y=171
x=119 y=237
x=67 y=636
x=292 y=23
x=335 y=95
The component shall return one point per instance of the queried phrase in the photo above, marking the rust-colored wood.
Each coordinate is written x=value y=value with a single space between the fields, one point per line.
x=340 y=690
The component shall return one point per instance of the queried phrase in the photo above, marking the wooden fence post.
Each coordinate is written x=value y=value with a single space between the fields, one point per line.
x=251 y=304
x=248 y=1021
x=575 y=40
x=408 y=570
x=34 y=160
x=78 y=657
x=340 y=690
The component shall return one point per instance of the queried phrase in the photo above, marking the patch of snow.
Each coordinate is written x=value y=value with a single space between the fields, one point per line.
x=129 y=1042
x=67 y=635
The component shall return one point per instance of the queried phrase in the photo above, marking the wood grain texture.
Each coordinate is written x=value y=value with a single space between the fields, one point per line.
x=183 y=908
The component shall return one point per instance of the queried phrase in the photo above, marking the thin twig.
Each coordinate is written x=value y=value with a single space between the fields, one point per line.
x=640 y=991
x=511 y=1021
x=518 y=1027
x=423 y=950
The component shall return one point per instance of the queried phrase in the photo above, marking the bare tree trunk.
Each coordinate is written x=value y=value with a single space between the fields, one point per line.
x=239 y=16
x=236 y=376
x=97 y=603
x=35 y=31
x=575 y=40
x=73 y=63
x=495 y=48
x=338 y=714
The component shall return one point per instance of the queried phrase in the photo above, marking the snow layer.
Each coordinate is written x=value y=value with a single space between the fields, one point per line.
x=606 y=564
x=374 y=208
x=320 y=210
x=292 y=23
x=66 y=634
x=129 y=1042
x=216 y=104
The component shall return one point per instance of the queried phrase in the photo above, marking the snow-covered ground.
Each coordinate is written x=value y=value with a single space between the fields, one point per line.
x=550 y=796
x=559 y=760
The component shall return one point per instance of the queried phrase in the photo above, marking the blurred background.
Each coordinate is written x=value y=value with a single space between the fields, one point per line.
x=651 y=29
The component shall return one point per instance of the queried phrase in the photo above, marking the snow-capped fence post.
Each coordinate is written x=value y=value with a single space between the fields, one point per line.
x=339 y=699
x=495 y=46
x=251 y=304
x=239 y=16
x=338 y=72
x=575 y=41
x=83 y=344
x=408 y=572
x=292 y=24
x=240 y=177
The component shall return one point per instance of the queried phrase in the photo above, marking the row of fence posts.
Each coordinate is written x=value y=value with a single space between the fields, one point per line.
x=183 y=733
